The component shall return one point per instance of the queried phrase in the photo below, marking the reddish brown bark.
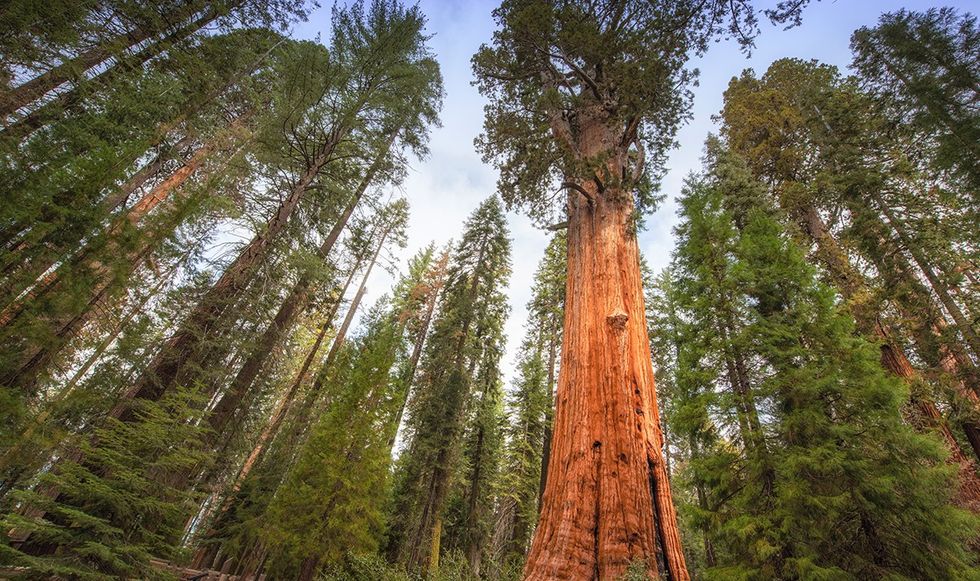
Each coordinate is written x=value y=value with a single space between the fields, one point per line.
x=895 y=361
x=853 y=288
x=607 y=502
x=182 y=352
x=63 y=328
x=118 y=198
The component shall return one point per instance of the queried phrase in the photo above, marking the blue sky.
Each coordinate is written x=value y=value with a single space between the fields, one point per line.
x=446 y=187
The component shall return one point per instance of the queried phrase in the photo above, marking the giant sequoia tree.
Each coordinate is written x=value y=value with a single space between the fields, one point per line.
x=585 y=98
x=194 y=206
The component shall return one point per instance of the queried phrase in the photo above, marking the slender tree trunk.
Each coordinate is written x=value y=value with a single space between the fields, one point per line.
x=474 y=549
x=34 y=89
x=182 y=351
x=607 y=501
x=436 y=546
x=413 y=362
x=341 y=337
x=294 y=437
x=308 y=569
x=61 y=329
x=709 y=548
x=285 y=317
x=287 y=404
x=939 y=287
x=853 y=288
x=548 y=416
x=117 y=199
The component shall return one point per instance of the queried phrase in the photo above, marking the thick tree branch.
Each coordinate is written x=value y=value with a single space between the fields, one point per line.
x=579 y=189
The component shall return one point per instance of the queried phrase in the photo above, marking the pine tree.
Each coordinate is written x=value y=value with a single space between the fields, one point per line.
x=471 y=303
x=417 y=295
x=331 y=503
x=96 y=242
x=115 y=512
x=376 y=62
x=236 y=530
x=829 y=480
x=854 y=161
x=529 y=406
x=923 y=67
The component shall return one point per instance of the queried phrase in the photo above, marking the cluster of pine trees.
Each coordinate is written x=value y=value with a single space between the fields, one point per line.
x=193 y=379
x=815 y=332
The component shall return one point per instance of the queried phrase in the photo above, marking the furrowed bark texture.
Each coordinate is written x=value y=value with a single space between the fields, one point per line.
x=607 y=502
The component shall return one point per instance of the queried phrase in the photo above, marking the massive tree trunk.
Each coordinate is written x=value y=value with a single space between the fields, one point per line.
x=607 y=501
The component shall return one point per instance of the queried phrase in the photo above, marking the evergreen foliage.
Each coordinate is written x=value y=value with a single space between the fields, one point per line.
x=922 y=68
x=529 y=406
x=807 y=466
x=469 y=324
x=194 y=205
x=115 y=509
